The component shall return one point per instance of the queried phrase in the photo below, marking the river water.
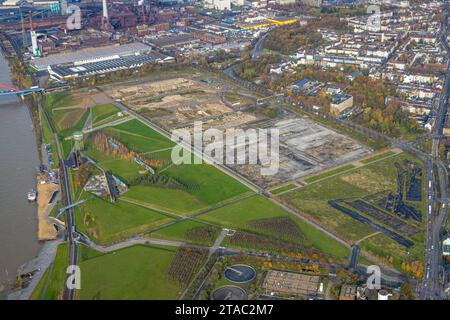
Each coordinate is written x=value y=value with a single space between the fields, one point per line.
x=18 y=161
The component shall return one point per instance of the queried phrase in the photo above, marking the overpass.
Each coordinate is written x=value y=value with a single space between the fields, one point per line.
x=6 y=90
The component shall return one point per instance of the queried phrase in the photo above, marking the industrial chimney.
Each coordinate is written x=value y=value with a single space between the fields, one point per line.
x=105 y=18
x=105 y=10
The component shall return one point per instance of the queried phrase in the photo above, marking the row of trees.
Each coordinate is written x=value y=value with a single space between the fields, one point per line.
x=250 y=69
x=289 y=40
x=162 y=180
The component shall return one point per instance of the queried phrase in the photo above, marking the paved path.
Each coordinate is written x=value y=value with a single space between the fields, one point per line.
x=132 y=242
x=109 y=124
x=218 y=242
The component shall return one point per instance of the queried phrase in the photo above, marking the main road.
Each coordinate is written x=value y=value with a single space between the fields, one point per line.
x=437 y=212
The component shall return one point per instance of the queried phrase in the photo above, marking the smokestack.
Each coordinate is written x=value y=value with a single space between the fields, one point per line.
x=31 y=21
x=105 y=10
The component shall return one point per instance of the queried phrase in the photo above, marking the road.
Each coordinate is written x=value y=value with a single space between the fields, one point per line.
x=437 y=212
x=259 y=46
x=71 y=235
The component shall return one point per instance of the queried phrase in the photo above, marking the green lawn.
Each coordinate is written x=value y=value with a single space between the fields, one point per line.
x=378 y=157
x=51 y=285
x=213 y=186
x=283 y=188
x=379 y=176
x=329 y=173
x=107 y=222
x=102 y=112
x=58 y=100
x=140 y=137
x=210 y=185
x=126 y=170
x=137 y=272
x=183 y=231
x=239 y=216
x=174 y=200
x=61 y=100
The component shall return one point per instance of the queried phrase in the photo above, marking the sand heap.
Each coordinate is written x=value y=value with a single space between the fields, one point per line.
x=45 y=189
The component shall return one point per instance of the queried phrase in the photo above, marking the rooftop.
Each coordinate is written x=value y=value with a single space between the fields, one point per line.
x=89 y=54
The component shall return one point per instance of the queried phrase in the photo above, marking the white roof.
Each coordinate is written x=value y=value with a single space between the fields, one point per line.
x=89 y=54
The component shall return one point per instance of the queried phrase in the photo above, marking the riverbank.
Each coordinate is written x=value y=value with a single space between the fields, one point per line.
x=21 y=252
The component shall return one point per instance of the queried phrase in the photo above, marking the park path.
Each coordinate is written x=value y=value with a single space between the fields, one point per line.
x=218 y=242
x=132 y=242
x=109 y=124
x=367 y=237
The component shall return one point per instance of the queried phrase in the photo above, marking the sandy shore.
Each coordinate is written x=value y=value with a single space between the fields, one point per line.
x=45 y=189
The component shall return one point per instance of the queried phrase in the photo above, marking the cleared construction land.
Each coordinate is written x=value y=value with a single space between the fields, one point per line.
x=305 y=148
x=179 y=101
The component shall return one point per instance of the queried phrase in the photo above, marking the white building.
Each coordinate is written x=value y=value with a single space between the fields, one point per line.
x=446 y=247
x=281 y=2
x=218 y=4
x=11 y=3
x=238 y=2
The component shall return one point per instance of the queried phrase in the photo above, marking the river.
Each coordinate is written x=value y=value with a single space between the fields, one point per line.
x=18 y=161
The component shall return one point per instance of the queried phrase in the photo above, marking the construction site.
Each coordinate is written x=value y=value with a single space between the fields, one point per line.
x=305 y=147
x=177 y=102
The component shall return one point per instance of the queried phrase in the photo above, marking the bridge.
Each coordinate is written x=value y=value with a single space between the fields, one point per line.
x=69 y=207
x=6 y=90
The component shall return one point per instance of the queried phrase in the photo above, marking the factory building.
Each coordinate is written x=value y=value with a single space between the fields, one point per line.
x=89 y=55
x=267 y=22
x=71 y=71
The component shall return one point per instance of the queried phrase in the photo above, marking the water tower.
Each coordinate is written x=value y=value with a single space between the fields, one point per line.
x=78 y=138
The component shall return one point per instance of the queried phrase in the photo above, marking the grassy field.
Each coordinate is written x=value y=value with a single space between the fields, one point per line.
x=390 y=251
x=329 y=173
x=137 y=272
x=175 y=200
x=126 y=170
x=210 y=185
x=51 y=285
x=375 y=177
x=378 y=157
x=102 y=113
x=283 y=188
x=67 y=121
x=107 y=222
x=185 y=231
x=240 y=215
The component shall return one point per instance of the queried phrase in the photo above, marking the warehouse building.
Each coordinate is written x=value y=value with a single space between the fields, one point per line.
x=90 y=55
x=69 y=71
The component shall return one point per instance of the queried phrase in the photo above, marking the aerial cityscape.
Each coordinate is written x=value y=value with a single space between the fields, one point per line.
x=212 y=150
